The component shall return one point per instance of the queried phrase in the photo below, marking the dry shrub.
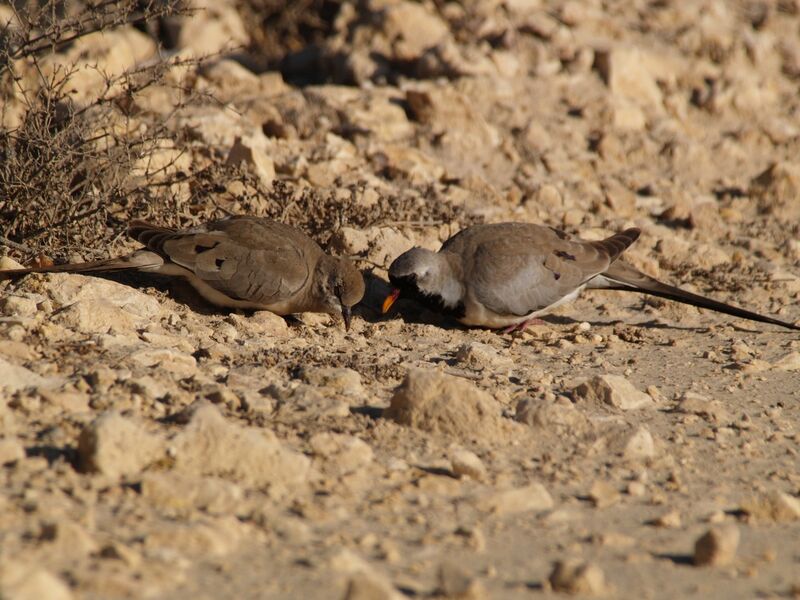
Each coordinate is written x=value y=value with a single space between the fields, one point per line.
x=72 y=171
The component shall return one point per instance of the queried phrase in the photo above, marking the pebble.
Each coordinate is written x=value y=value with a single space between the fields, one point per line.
x=603 y=494
x=717 y=547
x=533 y=497
x=577 y=577
x=615 y=391
x=466 y=463
x=773 y=506
x=439 y=403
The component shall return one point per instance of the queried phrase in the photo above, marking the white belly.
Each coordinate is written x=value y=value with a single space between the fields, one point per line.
x=477 y=315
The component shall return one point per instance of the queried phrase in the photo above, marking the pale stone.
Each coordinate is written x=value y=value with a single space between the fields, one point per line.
x=577 y=577
x=717 y=547
x=614 y=390
x=533 y=497
x=117 y=446
x=443 y=404
x=210 y=445
x=466 y=463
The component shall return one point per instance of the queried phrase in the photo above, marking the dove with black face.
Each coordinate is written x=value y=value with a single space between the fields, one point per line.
x=504 y=275
x=239 y=262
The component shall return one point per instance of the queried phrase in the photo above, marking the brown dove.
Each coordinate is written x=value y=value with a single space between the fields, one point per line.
x=506 y=274
x=239 y=262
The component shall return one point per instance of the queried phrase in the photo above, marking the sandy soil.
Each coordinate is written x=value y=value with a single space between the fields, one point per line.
x=153 y=447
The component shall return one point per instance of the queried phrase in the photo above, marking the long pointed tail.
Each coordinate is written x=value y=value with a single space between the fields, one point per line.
x=141 y=260
x=622 y=276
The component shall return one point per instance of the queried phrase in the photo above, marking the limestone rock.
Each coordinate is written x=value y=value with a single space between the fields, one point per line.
x=15 y=377
x=577 y=577
x=253 y=151
x=342 y=380
x=174 y=361
x=629 y=72
x=697 y=404
x=411 y=28
x=533 y=497
x=94 y=305
x=480 y=356
x=210 y=445
x=117 y=446
x=344 y=453
x=777 y=191
x=365 y=581
x=717 y=546
x=443 y=404
x=178 y=493
x=10 y=451
x=774 y=506
x=21 y=581
x=614 y=390
x=556 y=417
x=456 y=582
x=215 y=28
x=467 y=463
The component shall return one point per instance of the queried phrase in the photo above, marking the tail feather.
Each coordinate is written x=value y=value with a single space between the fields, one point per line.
x=150 y=236
x=141 y=260
x=622 y=276
x=615 y=245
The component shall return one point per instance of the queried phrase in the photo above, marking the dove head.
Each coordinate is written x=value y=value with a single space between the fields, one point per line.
x=338 y=287
x=427 y=276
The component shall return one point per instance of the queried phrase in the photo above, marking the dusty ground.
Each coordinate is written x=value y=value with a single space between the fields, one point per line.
x=152 y=447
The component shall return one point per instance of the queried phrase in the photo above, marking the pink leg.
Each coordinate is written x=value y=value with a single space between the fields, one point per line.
x=522 y=326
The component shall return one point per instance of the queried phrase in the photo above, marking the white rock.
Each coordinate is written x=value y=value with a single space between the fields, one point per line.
x=215 y=28
x=577 y=577
x=533 y=497
x=443 y=404
x=10 y=451
x=179 y=493
x=773 y=506
x=117 y=446
x=365 y=581
x=466 y=463
x=614 y=390
x=15 y=377
x=174 y=361
x=20 y=581
x=604 y=494
x=480 y=356
x=640 y=445
x=253 y=151
x=346 y=453
x=94 y=305
x=697 y=404
x=630 y=72
x=210 y=445
x=790 y=362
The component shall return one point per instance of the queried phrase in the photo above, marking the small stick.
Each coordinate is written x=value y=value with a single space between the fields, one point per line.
x=11 y=244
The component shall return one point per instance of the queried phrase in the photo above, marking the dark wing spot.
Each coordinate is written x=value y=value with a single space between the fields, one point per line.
x=561 y=235
x=557 y=275
x=219 y=262
x=199 y=249
x=564 y=255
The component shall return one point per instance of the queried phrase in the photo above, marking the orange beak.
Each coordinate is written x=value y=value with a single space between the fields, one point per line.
x=390 y=299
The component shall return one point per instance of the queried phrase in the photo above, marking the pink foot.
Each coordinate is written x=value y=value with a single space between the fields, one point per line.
x=522 y=326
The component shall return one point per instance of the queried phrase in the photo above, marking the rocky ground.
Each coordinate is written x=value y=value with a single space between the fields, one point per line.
x=627 y=447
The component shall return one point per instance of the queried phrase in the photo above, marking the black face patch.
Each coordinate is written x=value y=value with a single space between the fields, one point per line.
x=557 y=275
x=408 y=287
x=219 y=262
x=560 y=234
x=564 y=255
